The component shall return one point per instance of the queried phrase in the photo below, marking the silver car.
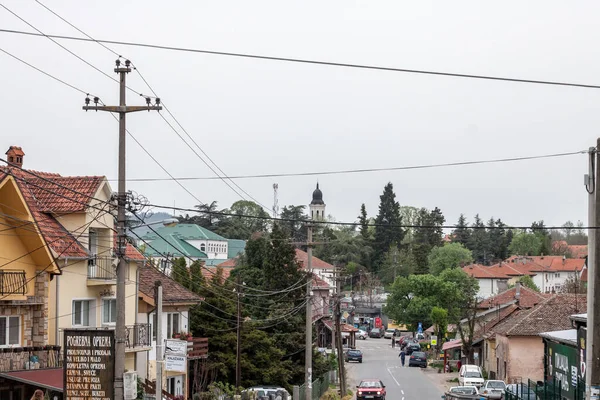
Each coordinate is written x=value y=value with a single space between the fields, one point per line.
x=493 y=389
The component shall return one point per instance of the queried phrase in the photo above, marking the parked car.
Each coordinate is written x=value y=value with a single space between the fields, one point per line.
x=370 y=389
x=376 y=333
x=266 y=392
x=354 y=355
x=462 y=392
x=389 y=333
x=362 y=334
x=522 y=391
x=418 y=359
x=493 y=389
x=470 y=375
x=411 y=348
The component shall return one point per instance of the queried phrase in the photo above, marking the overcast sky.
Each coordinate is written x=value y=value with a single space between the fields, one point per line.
x=257 y=116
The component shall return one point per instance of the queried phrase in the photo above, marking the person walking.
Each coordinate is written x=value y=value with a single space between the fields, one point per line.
x=393 y=342
x=402 y=356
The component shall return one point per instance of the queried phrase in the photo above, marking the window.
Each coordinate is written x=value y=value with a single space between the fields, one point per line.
x=172 y=324
x=10 y=331
x=109 y=311
x=81 y=312
x=202 y=247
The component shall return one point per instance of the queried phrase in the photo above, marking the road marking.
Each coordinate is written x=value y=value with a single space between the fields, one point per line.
x=393 y=377
x=402 y=392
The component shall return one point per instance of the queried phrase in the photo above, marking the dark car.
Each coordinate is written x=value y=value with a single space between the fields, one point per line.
x=522 y=391
x=376 y=333
x=418 y=359
x=411 y=348
x=370 y=389
x=354 y=355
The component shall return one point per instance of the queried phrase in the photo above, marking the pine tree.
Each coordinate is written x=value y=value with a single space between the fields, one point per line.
x=388 y=231
x=363 y=221
x=479 y=242
x=180 y=272
x=427 y=235
x=461 y=233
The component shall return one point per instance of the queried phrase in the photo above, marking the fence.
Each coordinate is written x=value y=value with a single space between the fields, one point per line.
x=319 y=387
x=551 y=390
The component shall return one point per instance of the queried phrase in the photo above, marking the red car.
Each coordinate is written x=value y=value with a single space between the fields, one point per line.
x=370 y=389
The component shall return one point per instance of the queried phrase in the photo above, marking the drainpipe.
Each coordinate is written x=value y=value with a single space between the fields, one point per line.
x=56 y=307
x=137 y=301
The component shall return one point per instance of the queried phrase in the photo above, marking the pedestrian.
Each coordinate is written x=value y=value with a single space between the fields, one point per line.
x=402 y=357
x=393 y=342
x=38 y=395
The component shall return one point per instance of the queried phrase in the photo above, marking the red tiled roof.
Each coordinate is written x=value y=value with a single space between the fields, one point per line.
x=210 y=272
x=302 y=259
x=131 y=253
x=578 y=251
x=345 y=327
x=51 y=378
x=16 y=150
x=483 y=272
x=528 y=298
x=317 y=283
x=56 y=194
x=551 y=315
x=173 y=292
x=231 y=263
x=545 y=263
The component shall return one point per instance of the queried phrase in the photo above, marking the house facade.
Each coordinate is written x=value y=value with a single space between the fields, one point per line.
x=177 y=302
x=73 y=220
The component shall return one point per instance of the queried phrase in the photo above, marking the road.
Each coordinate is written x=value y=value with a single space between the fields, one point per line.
x=382 y=362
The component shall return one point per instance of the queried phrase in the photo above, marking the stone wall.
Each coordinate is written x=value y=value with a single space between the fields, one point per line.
x=40 y=311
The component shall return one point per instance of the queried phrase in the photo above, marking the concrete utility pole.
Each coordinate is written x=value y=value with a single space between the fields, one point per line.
x=238 y=352
x=592 y=377
x=308 y=344
x=122 y=109
x=338 y=333
x=159 y=339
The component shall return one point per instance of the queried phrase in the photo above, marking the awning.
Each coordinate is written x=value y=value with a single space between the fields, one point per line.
x=51 y=378
x=452 y=344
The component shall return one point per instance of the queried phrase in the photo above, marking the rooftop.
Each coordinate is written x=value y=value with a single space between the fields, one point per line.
x=302 y=259
x=185 y=232
x=527 y=298
x=173 y=292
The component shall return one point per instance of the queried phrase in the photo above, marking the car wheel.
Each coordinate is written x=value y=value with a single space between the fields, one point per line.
x=360 y=361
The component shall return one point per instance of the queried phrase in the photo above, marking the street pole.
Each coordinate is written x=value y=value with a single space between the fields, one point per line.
x=308 y=344
x=159 y=340
x=338 y=334
x=238 y=352
x=592 y=377
x=122 y=109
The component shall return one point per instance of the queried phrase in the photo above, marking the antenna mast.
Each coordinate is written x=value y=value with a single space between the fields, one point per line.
x=275 y=201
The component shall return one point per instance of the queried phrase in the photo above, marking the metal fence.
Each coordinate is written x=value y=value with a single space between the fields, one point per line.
x=319 y=387
x=551 y=390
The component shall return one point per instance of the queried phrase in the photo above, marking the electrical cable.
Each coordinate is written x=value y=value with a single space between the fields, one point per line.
x=313 y=62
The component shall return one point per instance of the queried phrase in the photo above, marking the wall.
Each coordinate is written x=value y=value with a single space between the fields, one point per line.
x=221 y=253
x=526 y=358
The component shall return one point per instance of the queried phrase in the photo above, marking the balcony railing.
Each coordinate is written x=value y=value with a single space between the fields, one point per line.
x=197 y=348
x=24 y=358
x=138 y=335
x=102 y=268
x=13 y=282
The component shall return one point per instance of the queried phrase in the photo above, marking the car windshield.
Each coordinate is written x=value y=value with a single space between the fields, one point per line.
x=496 y=384
x=472 y=374
x=463 y=390
x=355 y=352
x=375 y=330
x=370 y=384
x=418 y=354
x=390 y=331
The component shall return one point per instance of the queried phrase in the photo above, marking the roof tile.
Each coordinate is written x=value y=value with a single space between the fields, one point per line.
x=173 y=292
x=302 y=259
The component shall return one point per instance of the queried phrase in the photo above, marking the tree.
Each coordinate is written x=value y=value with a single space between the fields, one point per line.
x=439 y=318
x=180 y=272
x=427 y=235
x=409 y=216
x=499 y=240
x=207 y=214
x=242 y=227
x=539 y=229
x=479 y=242
x=527 y=281
x=388 y=231
x=397 y=262
x=295 y=228
x=525 y=244
x=344 y=245
x=461 y=233
x=451 y=255
x=363 y=222
x=197 y=281
x=574 y=285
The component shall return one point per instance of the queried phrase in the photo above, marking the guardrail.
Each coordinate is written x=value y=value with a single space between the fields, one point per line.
x=13 y=282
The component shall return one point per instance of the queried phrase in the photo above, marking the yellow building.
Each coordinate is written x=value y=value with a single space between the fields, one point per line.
x=60 y=242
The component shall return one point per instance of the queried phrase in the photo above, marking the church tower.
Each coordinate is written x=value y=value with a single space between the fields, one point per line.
x=317 y=206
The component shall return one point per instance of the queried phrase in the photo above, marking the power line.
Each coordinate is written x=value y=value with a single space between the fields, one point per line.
x=365 y=170
x=314 y=62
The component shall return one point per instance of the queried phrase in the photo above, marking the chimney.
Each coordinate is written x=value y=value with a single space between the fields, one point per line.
x=518 y=291
x=14 y=156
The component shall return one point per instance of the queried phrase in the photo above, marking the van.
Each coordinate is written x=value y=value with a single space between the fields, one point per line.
x=470 y=375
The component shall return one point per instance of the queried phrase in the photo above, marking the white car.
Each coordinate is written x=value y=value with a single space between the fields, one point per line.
x=389 y=333
x=493 y=389
x=470 y=375
x=363 y=335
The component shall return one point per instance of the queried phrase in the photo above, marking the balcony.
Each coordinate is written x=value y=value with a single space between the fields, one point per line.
x=138 y=337
x=26 y=358
x=13 y=283
x=101 y=271
x=197 y=348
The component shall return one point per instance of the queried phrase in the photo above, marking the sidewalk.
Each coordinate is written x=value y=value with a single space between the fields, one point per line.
x=441 y=380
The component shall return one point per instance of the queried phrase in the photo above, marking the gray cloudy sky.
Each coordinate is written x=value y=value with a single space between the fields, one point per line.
x=254 y=116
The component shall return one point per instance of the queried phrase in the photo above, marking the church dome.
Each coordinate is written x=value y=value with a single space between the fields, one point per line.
x=317 y=197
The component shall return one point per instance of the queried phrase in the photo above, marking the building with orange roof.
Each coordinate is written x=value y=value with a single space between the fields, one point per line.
x=59 y=240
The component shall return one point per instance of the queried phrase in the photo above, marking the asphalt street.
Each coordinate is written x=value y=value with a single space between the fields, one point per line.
x=380 y=361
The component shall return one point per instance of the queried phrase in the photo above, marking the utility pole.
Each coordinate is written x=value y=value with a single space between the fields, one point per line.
x=238 y=352
x=159 y=339
x=308 y=344
x=338 y=333
x=122 y=109
x=592 y=377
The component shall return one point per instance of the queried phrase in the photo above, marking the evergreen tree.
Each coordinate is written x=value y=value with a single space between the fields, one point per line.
x=461 y=233
x=197 y=281
x=504 y=240
x=388 y=231
x=363 y=221
x=180 y=272
x=539 y=229
x=427 y=235
x=479 y=242
x=296 y=226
